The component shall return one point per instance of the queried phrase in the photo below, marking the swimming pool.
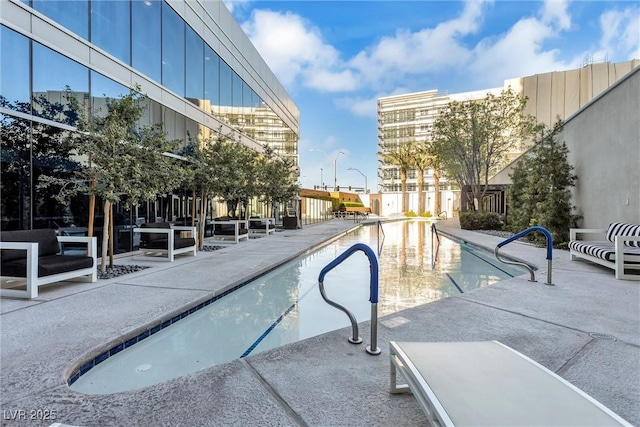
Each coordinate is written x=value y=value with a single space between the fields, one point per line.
x=285 y=305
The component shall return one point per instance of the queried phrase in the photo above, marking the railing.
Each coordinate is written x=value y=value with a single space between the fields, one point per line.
x=434 y=254
x=380 y=242
x=549 y=251
x=373 y=294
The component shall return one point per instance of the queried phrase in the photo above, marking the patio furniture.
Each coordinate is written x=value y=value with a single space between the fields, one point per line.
x=259 y=225
x=162 y=241
x=489 y=384
x=619 y=251
x=31 y=258
x=229 y=230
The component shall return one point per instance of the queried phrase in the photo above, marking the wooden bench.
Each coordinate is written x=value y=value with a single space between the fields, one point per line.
x=489 y=384
x=31 y=258
x=162 y=241
x=618 y=248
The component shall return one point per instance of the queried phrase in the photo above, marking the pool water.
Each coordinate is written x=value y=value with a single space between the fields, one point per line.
x=285 y=305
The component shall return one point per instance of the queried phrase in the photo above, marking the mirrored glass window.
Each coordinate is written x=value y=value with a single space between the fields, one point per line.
x=173 y=52
x=103 y=88
x=15 y=173
x=195 y=68
x=50 y=98
x=174 y=125
x=111 y=27
x=212 y=80
x=225 y=90
x=146 y=37
x=14 y=80
x=73 y=15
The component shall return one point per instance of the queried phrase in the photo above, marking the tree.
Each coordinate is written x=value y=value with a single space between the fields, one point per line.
x=402 y=157
x=126 y=164
x=276 y=178
x=473 y=138
x=234 y=173
x=423 y=159
x=540 y=192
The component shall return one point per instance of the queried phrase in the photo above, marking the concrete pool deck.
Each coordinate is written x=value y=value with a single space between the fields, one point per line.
x=586 y=328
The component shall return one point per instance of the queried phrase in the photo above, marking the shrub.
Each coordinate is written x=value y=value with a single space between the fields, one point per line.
x=344 y=205
x=540 y=191
x=426 y=214
x=480 y=221
x=410 y=214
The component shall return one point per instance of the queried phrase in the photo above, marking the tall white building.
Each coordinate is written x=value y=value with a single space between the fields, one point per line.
x=551 y=97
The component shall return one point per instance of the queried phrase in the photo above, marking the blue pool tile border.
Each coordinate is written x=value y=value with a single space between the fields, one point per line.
x=146 y=334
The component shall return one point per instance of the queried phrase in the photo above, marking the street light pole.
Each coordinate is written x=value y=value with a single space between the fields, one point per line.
x=321 y=180
x=335 y=163
x=335 y=171
x=365 y=178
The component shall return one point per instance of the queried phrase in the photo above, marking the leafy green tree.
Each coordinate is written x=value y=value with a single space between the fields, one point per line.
x=423 y=159
x=401 y=156
x=472 y=138
x=234 y=172
x=276 y=178
x=124 y=163
x=540 y=192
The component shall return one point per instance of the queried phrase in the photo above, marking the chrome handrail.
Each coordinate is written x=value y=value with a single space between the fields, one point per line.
x=549 y=251
x=373 y=294
x=434 y=254
x=380 y=242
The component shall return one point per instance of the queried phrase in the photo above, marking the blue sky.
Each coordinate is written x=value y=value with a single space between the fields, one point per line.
x=336 y=58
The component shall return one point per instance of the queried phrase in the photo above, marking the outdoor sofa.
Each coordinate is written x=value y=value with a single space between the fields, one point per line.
x=162 y=241
x=259 y=225
x=229 y=230
x=32 y=258
x=620 y=249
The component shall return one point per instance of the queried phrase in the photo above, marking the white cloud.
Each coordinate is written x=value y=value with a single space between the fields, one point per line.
x=554 y=12
x=299 y=56
x=517 y=53
x=621 y=34
x=426 y=50
x=295 y=51
x=359 y=106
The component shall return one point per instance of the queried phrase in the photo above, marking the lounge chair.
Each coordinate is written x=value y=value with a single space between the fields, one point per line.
x=261 y=225
x=489 y=384
x=163 y=238
x=229 y=230
x=32 y=258
x=620 y=251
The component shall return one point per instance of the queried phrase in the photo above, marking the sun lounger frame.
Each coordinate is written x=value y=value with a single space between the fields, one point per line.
x=430 y=397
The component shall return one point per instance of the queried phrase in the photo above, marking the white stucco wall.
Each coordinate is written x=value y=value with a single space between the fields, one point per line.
x=604 y=147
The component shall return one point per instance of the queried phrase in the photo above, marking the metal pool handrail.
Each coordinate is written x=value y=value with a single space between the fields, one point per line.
x=373 y=294
x=549 y=251
x=380 y=242
x=434 y=254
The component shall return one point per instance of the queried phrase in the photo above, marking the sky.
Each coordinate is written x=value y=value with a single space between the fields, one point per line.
x=336 y=58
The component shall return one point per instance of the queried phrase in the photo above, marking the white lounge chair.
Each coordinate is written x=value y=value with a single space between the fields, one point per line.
x=489 y=384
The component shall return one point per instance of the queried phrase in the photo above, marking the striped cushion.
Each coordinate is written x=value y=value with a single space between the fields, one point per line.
x=622 y=229
x=605 y=250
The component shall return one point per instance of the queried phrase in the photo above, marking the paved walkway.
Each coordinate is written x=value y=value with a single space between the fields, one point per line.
x=586 y=328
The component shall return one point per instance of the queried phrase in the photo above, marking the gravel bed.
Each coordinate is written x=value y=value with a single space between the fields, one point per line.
x=120 y=270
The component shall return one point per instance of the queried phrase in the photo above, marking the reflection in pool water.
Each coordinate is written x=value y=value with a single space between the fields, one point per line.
x=285 y=305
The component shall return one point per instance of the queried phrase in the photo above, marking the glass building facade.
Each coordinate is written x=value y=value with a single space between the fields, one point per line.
x=200 y=72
